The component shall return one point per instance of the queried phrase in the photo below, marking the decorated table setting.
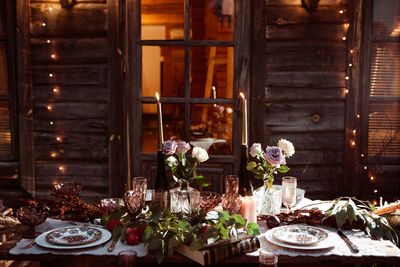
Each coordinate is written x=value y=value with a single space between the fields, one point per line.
x=208 y=227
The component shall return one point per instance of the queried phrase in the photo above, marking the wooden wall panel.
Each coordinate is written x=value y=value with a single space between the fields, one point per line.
x=82 y=19
x=79 y=110
x=305 y=83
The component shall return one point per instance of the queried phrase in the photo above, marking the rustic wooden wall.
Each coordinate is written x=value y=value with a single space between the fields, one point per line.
x=305 y=89
x=70 y=138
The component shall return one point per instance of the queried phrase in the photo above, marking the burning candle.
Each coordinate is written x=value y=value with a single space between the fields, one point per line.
x=248 y=209
x=160 y=124
x=244 y=118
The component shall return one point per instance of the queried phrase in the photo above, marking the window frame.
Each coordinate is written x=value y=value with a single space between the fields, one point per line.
x=241 y=44
x=368 y=41
x=9 y=164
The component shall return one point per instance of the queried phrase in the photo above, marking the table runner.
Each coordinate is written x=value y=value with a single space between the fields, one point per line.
x=50 y=224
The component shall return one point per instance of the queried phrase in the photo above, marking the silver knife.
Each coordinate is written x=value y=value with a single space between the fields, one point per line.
x=348 y=242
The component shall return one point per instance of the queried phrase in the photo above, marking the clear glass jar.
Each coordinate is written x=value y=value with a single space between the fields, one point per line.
x=268 y=200
x=184 y=199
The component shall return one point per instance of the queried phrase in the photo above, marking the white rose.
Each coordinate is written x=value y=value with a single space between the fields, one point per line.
x=200 y=154
x=255 y=148
x=286 y=147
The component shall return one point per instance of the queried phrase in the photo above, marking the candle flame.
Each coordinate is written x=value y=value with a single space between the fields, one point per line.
x=158 y=97
x=242 y=95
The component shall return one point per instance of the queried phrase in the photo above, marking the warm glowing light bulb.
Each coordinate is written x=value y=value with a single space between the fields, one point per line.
x=48 y=41
x=49 y=107
x=354 y=131
x=50 y=9
x=351 y=51
x=53 y=56
x=58 y=139
x=51 y=123
x=350 y=64
x=43 y=24
x=55 y=90
x=61 y=168
x=50 y=74
x=341 y=11
x=53 y=154
x=358 y=116
x=374 y=202
x=353 y=143
x=347 y=77
x=372 y=178
x=365 y=167
x=344 y=38
x=375 y=190
x=346 y=91
x=362 y=155
x=242 y=95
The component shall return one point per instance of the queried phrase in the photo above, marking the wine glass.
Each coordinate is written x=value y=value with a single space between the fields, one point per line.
x=289 y=185
x=32 y=216
x=139 y=184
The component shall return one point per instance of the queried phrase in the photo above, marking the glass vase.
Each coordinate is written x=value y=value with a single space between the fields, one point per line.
x=268 y=200
x=184 y=199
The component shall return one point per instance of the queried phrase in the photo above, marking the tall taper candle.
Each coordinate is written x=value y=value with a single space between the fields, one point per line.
x=160 y=123
x=244 y=119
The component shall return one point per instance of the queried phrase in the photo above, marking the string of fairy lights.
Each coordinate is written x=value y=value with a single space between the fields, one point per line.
x=369 y=173
x=54 y=91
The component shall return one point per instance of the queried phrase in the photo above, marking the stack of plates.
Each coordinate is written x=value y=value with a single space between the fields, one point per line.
x=73 y=237
x=299 y=237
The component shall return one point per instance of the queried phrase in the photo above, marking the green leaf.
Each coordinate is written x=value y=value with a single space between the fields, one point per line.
x=123 y=233
x=341 y=217
x=148 y=232
x=154 y=244
x=204 y=182
x=283 y=169
x=240 y=222
x=253 y=228
x=223 y=214
x=159 y=256
x=251 y=165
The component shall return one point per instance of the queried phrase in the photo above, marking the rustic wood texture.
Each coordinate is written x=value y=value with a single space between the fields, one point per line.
x=305 y=70
x=70 y=55
x=25 y=109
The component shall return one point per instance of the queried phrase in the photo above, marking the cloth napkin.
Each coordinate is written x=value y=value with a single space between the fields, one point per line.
x=50 y=224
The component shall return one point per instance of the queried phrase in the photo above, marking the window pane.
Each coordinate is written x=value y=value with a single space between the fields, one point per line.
x=211 y=127
x=383 y=129
x=386 y=18
x=163 y=71
x=385 y=70
x=5 y=129
x=212 y=72
x=212 y=20
x=3 y=70
x=173 y=125
x=162 y=19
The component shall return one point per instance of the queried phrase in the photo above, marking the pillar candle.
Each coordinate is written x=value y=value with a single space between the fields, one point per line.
x=244 y=119
x=248 y=210
x=160 y=123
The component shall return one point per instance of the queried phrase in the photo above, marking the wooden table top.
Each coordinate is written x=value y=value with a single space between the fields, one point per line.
x=15 y=235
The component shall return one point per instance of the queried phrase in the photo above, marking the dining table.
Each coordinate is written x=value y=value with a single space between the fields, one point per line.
x=13 y=247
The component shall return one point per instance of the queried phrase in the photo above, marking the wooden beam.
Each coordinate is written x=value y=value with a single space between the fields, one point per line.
x=25 y=108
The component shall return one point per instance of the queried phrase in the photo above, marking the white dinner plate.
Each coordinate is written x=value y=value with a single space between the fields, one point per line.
x=299 y=235
x=41 y=240
x=320 y=245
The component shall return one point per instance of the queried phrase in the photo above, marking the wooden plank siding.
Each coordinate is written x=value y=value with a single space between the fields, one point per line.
x=70 y=95
x=305 y=70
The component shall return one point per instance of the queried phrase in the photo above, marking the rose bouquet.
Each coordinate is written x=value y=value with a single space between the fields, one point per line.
x=182 y=169
x=271 y=161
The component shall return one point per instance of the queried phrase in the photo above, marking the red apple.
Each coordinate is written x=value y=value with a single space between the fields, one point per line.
x=111 y=224
x=132 y=239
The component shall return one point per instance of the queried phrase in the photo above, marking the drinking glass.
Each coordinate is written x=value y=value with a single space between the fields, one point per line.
x=268 y=257
x=289 y=185
x=231 y=184
x=139 y=185
x=127 y=258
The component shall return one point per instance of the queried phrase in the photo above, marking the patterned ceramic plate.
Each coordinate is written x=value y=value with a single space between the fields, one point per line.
x=75 y=235
x=302 y=235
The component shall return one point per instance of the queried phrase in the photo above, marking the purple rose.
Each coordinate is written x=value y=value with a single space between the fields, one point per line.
x=182 y=147
x=169 y=147
x=274 y=156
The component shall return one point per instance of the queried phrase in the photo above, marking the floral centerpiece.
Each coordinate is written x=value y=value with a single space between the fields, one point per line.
x=184 y=198
x=267 y=163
